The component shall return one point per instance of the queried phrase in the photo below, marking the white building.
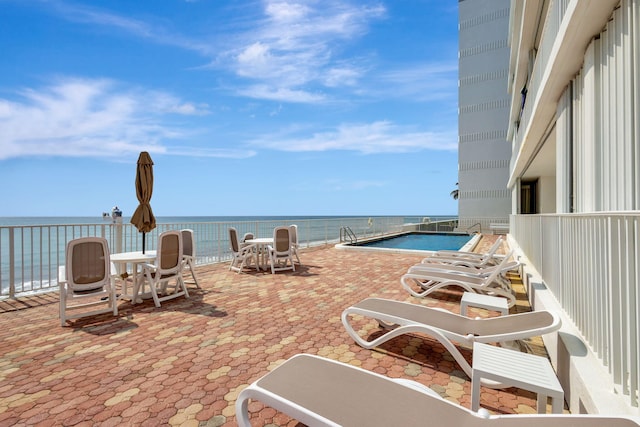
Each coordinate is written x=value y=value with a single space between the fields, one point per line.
x=574 y=180
x=483 y=119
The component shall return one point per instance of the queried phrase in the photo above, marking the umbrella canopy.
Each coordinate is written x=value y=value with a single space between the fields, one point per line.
x=143 y=218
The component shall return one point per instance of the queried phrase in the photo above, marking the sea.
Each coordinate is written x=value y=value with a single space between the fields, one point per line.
x=32 y=248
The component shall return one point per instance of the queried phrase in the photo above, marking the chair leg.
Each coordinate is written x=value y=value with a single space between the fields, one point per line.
x=152 y=286
x=193 y=273
x=63 y=307
x=273 y=263
x=195 y=279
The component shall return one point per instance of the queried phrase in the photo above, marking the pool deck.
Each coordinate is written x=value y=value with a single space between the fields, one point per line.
x=185 y=363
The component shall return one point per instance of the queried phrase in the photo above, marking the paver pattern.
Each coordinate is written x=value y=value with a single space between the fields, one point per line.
x=185 y=363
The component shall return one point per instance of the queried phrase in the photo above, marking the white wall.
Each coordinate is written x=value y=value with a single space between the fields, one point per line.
x=484 y=153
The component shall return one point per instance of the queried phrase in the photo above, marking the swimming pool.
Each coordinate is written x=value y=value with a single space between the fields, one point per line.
x=419 y=242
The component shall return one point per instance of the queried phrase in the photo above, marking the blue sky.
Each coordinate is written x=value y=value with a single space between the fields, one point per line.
x=316 y=107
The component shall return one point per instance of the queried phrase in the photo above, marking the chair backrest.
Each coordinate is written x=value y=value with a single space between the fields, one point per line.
x=88 y=263
x=234 y=244
x=499 y=268
x=293 y=230
x=188 y=246
x=494 y=248
x=281 y=239
x=247 y=236
x=170 y=252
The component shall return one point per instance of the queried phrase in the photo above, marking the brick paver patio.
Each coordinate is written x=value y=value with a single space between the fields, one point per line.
x=185 y=363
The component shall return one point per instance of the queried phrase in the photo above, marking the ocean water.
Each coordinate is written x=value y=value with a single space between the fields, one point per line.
x=32 y=248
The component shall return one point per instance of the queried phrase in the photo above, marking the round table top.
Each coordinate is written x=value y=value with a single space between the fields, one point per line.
x=136 y=256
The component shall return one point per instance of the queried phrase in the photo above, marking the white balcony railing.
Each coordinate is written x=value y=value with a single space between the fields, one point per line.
x=552 y=24
x=30 y=254
x=590 y=263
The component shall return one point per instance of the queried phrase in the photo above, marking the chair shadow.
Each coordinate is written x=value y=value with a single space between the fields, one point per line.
x=305 y=270
x=429 y=353
x=106 y=324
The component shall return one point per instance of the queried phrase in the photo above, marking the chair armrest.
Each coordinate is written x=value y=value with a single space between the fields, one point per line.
x=147 y=266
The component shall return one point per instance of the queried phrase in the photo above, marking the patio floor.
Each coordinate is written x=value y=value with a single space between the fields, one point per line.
x=185 y=363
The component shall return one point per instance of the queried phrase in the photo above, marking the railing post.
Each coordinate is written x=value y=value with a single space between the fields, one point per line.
x=12 y=264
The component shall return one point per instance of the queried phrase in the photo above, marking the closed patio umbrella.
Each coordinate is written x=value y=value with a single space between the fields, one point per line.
x=143 y=218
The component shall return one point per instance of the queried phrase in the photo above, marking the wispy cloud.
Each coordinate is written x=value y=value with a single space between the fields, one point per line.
x=296 y=46
x=288 y=53
x=368 y=138
x=156 y=33
x=281 y=94
x=420 y=82
x=82 y=117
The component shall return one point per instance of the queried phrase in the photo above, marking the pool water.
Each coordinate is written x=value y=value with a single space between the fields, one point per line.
x=421 y=242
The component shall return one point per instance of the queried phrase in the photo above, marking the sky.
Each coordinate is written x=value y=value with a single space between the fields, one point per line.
x=300 y=107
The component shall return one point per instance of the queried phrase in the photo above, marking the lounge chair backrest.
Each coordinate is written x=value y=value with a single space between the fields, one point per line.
x=488 y=327
x=497 y=271
x=88 y=264
x=502 y=325
x=494 y=248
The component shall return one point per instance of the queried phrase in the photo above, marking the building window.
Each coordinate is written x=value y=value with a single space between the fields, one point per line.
x=529 y=197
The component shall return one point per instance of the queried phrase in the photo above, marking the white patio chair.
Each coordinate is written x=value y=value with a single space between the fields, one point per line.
x=281 y=254
x=243 y=254
x=167 y=268
x=189 y=254
x=293 y=230
x=87 y=277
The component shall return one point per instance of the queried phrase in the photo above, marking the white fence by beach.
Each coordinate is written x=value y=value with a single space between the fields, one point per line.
x=590 y=263
x=30 y=254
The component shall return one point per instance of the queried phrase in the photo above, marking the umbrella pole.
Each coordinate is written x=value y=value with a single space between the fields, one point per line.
x=143 y=233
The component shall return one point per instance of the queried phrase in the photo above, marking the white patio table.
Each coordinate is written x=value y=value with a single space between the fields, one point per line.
x=135 y=259
x=262 y=252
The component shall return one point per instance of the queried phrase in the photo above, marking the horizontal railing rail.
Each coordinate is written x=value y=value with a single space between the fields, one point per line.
x=30 y=254
x=590 y=264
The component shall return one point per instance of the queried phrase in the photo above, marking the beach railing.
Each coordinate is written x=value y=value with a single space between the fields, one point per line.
x=30 y=254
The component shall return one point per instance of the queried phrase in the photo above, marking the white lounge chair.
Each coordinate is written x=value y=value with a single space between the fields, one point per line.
x=429 y=281
x=469 y=259
x=87 y=276
x=401 y=318
x=474 y=272
x=323 y=392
